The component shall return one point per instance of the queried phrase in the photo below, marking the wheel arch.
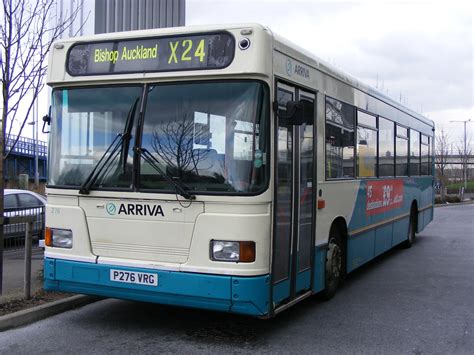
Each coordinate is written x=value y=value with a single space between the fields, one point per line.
x=339 y=225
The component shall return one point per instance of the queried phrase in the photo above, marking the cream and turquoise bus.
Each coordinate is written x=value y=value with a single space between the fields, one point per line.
x=223 y=168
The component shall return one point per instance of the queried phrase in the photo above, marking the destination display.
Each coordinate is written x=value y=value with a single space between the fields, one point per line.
x=207 y=51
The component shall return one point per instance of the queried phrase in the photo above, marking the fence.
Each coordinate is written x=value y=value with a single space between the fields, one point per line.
x=14 y=233
x=27 y=221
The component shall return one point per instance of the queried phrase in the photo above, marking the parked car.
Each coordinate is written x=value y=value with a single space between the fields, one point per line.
x=23 y=203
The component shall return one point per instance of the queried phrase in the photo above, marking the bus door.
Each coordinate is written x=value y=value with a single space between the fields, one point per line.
x=293 y=240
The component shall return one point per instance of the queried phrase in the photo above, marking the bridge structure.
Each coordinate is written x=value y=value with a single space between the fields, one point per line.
x=22 y=158
x=457 y=159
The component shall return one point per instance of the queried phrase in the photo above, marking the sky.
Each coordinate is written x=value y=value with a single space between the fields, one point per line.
x=418 y=51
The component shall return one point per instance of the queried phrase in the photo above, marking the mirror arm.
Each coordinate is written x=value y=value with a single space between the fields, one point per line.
x=46 y=119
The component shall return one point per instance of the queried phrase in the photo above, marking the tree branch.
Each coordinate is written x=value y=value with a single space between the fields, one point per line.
x=26 y=37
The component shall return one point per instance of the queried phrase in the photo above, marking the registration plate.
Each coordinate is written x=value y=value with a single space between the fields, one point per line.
x=134 y=277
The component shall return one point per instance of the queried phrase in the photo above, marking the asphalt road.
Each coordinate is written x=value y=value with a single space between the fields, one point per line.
x=419 y=300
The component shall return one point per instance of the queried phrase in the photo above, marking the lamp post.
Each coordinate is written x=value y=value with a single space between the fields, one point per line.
x=465 y=150
x=34 y=123
x=35 y=126
x=36 y=146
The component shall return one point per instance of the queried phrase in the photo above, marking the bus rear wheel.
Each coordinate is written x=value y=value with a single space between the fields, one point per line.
x=334 y=267
x=411 y=231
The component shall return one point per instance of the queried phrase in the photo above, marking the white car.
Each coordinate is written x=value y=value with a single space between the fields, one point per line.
x=22 y=203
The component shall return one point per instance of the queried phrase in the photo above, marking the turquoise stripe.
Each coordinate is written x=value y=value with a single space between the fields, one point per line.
x=246 y=295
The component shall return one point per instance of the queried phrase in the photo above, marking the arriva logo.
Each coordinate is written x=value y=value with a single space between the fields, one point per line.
x=133 y=209
x=289 y=67
x=111 y=208
x=296 y=69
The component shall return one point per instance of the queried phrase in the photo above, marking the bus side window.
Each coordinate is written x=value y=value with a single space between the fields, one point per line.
x=366 y=145
x=414 y=152
x=339 y=139
x=386 y=147
x=425 y=155
x=401 y=156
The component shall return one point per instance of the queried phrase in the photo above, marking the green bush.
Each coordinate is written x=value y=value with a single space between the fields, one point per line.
x=452 y=198
x=448 y=198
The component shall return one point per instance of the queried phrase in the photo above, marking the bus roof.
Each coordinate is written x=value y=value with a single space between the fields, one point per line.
x=317 y=63
x=279 y=43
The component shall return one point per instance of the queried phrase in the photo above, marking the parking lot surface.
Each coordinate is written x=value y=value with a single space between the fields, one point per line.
x=418 y=300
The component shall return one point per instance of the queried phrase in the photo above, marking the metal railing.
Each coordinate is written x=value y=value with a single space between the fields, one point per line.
x=26 y=146
x=14 y=230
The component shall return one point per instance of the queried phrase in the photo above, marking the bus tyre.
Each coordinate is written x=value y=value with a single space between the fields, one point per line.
x=411 y=232
x=334 y=267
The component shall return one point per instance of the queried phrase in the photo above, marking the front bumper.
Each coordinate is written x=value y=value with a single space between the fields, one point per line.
x=245 y=295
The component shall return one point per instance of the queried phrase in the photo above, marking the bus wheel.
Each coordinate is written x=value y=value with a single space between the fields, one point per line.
x=411 y=231
x=334 y=272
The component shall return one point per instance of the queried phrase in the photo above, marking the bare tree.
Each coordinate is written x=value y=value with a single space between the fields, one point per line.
x=441 y=158
x=28 y=29
x=174 y=143
x=26 y=36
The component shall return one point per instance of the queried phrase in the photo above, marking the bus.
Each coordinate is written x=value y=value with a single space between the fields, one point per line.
x=222 y=168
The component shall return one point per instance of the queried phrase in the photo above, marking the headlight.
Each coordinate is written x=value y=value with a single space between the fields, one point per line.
x=223 y=250
x=58 y=238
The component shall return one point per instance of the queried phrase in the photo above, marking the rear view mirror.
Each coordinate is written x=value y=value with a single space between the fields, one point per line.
x=47 y=120
x=299 y=112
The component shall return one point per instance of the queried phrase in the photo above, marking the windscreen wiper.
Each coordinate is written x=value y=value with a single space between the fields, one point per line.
x=128 y=135
x=121 y=140
x=150 y=159
x=113 y=148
